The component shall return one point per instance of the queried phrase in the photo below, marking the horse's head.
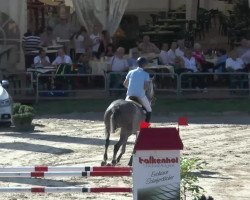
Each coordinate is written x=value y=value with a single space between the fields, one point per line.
x=150 y=90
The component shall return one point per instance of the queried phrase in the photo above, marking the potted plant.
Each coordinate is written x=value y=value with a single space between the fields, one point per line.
x=22 y=117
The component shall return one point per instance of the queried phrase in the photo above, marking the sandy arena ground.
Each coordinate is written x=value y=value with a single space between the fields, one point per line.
x=78 y=139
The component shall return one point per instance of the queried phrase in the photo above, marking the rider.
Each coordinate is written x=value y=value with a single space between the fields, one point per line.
x=137 y=82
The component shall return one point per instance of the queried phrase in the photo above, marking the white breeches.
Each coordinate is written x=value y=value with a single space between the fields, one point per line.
x=145 y=102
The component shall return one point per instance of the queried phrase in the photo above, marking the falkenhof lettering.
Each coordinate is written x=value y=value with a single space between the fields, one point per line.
x=153 y=160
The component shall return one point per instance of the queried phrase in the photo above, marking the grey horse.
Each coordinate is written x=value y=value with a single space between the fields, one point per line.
x=127 y=116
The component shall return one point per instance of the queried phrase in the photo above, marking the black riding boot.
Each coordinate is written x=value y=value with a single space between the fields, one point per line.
x=148 y=117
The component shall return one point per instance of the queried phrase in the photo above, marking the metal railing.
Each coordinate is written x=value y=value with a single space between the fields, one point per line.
x=69 y=86
x=232 y=82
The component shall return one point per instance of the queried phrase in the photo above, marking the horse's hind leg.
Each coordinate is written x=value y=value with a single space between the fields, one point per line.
x=122 y=151
x=131 y=157
x=123 y=139
x=105 y=156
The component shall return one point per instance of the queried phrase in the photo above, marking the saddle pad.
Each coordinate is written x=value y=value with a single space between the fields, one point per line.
x=134 y=102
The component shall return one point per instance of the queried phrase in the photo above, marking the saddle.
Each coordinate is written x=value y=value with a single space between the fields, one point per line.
x=136 y=101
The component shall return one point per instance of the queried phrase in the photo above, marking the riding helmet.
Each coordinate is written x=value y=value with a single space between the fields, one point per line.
x=141 y=61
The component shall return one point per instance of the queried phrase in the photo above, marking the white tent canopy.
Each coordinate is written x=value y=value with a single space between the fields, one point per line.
x=16 y=10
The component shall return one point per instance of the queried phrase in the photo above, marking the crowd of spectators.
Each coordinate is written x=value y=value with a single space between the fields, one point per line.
x=99 y=45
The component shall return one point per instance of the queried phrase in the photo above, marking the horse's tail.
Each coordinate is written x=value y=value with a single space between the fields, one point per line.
x=113 y=119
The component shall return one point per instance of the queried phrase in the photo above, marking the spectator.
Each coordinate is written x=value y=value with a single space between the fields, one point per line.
x=246 y=57
x=31 y=42
x=47 y=37
x=83 y=66
x=163 y=57
x=219 y=65
x=110 y=51
x=181 y=48
x=243 y=48
x=117 y=62
x=148 y=47
x=171 y=53
x=42 y=60
x=81 y=40
x=132 y=61
x=197 y=54
x=200 y=58
x=105 y=41
x=212 y=48
x=62 y=58
x=191 y=65
x=234 y=63
x=96 y=40
x=189 y=61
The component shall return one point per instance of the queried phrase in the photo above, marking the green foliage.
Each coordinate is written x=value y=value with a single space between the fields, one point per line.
x=189 y=180
x=22 y=114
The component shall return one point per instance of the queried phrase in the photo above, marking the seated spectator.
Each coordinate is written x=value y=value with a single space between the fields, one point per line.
x=189 y=61
x=110 y=51
x=200 y=58
x=220 y=63
x=246 y=57
x=83 y=66
x=171 y=53
x=234 y=63
x=132 y=61
x=41 y=60
x=243 y=48
x=47 y=37
x=197 y=54
x=190 y=65
x=62 y=58
x=163 y=57
x=118 y=63
x=148 y=47
x=212 y=48
x=181 y=48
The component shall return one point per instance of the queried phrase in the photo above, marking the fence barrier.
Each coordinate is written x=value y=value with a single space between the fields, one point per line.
x=65 y=171
x=63 y=168
x=65 y=174
x=65 y=189
x=31 y=86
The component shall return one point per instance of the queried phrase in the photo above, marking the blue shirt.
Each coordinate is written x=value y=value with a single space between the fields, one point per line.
x=137 y=78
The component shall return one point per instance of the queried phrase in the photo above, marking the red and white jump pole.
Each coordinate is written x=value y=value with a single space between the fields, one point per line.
x=63 y=168
x=64 y=174
x=64 y=190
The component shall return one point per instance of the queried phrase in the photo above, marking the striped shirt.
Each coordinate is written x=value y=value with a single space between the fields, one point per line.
x=31 y=43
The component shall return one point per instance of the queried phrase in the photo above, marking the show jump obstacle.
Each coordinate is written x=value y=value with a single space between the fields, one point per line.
x=156 y=169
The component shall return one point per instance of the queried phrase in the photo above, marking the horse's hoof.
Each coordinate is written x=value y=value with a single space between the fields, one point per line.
x=130 y=163
x=109 y=164
x=114 y=162
x=103 y=163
